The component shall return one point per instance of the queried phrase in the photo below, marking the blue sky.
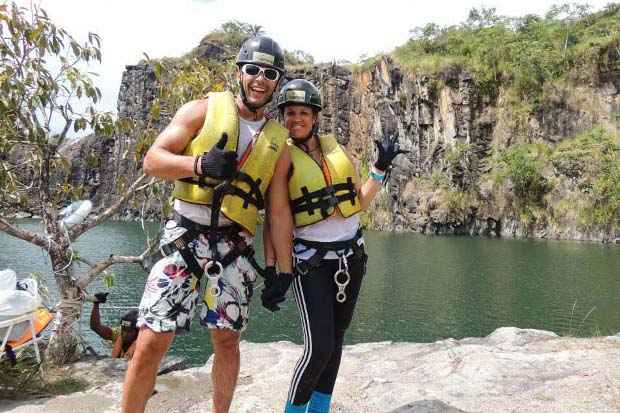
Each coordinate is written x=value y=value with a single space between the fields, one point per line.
x=329 y=30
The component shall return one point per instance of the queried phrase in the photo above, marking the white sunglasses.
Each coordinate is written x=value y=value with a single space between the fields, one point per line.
x=255 y=70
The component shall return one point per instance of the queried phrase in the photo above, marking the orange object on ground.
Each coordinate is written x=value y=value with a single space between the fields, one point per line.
x=42 y=318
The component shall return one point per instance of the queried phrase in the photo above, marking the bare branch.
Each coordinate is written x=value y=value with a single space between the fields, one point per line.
x=25 y=235
x=77 y=230
x=99 y=267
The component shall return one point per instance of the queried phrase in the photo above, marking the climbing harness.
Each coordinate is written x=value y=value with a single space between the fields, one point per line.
x=216 y=263
x=342 y=278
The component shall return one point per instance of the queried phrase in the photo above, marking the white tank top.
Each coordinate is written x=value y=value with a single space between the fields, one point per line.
x=335 y=228
x=202 y=213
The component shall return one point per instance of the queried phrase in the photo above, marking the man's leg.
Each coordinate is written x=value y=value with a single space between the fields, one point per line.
x=140 y=377
x=225 y=368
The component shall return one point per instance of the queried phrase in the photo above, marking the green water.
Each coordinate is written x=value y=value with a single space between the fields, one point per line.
x=418 y=288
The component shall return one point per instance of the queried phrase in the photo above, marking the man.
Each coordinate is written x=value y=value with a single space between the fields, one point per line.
x=123 y=337
x=222 y=153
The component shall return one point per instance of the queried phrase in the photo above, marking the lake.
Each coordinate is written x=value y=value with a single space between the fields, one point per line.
x=418 y=288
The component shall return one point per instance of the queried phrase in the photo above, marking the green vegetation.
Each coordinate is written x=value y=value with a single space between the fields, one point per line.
x=579 y=179
x=27 y=379
x=592 y=160
x=522 y=53
x=233 y=33
x=574 y=184
x=522 y=165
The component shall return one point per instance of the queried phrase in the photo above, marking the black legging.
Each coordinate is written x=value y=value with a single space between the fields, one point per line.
x=323 y=321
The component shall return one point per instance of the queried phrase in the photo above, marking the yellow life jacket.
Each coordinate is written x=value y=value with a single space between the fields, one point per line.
x=316 y=192
x=245 y=195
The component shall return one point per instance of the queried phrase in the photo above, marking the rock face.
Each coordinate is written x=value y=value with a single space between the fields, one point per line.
x=432 y=116
x=510 y=370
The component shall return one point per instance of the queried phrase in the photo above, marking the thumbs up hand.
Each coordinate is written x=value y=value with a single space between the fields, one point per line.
x=219 y=163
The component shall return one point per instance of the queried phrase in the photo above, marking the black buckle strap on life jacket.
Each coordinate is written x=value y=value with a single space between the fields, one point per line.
x=322 y=248
x=325 y=198
x=254 y=196
x=201 y=182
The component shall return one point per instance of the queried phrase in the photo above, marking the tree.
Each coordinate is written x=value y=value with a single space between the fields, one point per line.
x=33 y=172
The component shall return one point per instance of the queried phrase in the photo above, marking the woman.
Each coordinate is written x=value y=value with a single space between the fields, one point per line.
x=325 y=198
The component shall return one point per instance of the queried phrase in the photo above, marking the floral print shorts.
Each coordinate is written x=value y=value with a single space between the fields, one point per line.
x=172 y=292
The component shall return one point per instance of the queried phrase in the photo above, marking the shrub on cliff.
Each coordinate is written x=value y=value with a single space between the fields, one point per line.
x=523 y=52
x=592 y=161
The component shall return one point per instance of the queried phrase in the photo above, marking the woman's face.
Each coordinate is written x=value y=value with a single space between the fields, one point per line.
x=299 y=119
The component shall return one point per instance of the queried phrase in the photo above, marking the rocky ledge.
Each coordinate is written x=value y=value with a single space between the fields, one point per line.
x=511 y=370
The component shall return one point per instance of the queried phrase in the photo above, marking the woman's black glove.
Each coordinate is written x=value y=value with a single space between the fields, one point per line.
x=101 y=298
x=276 y=293
x=387 y=149
x=218 y=163
x=269 y=275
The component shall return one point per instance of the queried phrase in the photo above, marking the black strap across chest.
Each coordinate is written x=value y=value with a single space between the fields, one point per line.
x=324 y=199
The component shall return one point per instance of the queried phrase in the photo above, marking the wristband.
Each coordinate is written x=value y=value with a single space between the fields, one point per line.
x=377 y=177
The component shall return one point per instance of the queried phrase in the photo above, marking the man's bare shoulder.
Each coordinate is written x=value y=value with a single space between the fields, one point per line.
x=192 y=112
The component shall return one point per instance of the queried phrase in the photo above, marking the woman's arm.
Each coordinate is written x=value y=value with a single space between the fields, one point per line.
x=369 y=189
x=280 y=218
x=270 y=254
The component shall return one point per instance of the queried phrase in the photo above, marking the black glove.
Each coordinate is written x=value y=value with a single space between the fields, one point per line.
x=218 y=163
x=387 y=149
x=269 y=275
x=101 y=298
x=276 y=293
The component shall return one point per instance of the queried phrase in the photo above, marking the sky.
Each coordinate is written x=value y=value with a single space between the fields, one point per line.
x=328 y=30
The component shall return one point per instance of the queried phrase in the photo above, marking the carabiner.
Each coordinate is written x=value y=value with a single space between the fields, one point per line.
x=214 y=278
x=341 y=296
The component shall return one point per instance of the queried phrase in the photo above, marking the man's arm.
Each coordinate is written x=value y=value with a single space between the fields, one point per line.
x=103 y=331
x=163 y=159
x=279 y=217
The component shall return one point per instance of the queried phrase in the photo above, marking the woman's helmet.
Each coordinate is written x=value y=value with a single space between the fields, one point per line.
x=299 y=92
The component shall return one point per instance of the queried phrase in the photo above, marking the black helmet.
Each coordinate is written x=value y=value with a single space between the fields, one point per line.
x=261 y=50
x=299 y=92
x=130 y=319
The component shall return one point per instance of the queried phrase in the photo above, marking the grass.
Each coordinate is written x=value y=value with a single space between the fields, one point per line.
x=575 y=331
x=26 y=379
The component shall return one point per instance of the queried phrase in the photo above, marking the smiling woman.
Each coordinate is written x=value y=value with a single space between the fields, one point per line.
x=325 y=196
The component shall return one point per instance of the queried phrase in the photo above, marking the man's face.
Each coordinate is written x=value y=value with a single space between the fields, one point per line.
x=258 y=88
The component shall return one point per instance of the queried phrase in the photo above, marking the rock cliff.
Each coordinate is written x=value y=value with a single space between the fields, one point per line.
x=434 y=117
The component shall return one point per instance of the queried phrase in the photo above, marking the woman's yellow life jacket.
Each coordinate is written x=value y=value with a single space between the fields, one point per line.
x=245 y=195
x=315 y=192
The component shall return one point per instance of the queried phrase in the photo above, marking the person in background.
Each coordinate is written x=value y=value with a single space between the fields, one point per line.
x=325 y=196
x=122 y=337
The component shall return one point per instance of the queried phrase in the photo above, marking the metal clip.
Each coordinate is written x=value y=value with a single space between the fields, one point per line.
x=214 y=278
x=341 y=296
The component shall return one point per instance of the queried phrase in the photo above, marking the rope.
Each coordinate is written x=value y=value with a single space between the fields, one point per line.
x=112 y=307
